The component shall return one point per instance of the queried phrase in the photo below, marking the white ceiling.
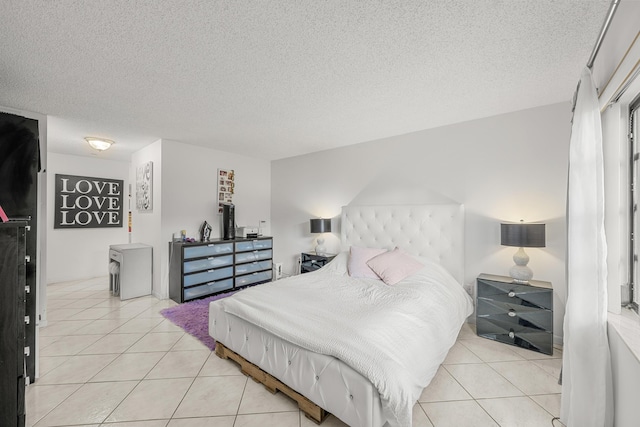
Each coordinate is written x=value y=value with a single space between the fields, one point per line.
x=275 y=79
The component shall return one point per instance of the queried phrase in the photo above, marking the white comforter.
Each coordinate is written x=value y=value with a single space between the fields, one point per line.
x=396 y=336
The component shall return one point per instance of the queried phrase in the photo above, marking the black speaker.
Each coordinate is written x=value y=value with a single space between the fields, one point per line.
x=228 y=222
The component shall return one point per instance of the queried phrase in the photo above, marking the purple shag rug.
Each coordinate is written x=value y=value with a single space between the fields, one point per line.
x=193 y=317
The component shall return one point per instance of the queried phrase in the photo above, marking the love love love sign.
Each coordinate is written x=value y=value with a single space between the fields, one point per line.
x=87 y=202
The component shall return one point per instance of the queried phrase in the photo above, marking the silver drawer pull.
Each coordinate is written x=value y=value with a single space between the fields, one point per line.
x=511 y=294
x=511 y=313
x=511 y=334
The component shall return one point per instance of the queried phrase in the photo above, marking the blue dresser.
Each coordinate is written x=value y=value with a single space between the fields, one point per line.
x=516 y=314
x=201 y=269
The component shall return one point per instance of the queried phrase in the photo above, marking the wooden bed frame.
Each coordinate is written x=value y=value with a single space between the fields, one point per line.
x=310 y=409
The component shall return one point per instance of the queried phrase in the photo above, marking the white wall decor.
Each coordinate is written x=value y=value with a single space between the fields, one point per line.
x=144 y=187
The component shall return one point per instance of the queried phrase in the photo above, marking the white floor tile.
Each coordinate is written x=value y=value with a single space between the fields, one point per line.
x=282 y=419
x=420 y=418
x=202 y=422
x=65 y=327
x=137 y=326
x=187 y=342
x=443 y=387
x=458 y=414
x=179 y=364
x=161 y=341
x=549 y=402
x=528 y=377
x=491 y=351
x=516 y=412
x=152 y=399
x=91 y=403
x=151 y=423
x=69 y=345
x=129 y=366
x=78 y=369
x=212 y=396
x=41 y=399
x=112 y=343
x=481 y=381
x=215 y=366
x=460 y=354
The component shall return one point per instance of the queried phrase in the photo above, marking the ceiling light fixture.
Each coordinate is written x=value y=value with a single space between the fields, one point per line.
x=99 y=144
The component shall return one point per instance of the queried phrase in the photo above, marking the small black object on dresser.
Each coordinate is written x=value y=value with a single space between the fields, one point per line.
x=312 y=262
x=201 y=269
x=13 y=344
x=516 y=314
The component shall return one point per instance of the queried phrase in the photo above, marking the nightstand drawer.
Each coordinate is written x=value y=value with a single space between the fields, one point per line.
x=521 y=315
x=516 y=294
x=514 y=334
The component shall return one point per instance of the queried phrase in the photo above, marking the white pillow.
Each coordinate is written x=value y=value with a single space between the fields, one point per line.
x=358 y=258
x=393 y=266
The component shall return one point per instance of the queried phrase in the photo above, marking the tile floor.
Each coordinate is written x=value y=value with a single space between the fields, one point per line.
x=106 y=362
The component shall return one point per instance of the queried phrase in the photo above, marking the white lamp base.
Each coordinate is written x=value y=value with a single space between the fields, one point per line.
x=321 y=249
x=520 y=273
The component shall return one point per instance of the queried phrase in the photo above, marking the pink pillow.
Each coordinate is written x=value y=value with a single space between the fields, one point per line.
x=358 y=258
x=393 y=266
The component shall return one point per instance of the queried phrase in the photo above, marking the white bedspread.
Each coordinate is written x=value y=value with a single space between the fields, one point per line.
x=396 y=336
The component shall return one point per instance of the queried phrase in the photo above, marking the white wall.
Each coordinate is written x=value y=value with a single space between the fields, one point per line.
x=81 y=253
x=503 y=168
x=145 y=226
x=185 y=195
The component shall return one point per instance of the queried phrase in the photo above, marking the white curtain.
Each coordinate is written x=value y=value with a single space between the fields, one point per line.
x=586 y=377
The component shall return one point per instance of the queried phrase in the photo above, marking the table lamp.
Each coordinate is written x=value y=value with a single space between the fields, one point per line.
x=522 y=236
x=320 y=225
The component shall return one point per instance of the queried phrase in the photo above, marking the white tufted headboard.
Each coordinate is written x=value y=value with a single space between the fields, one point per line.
x=430 y=231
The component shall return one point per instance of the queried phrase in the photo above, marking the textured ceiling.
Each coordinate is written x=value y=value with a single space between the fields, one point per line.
x=274 y=79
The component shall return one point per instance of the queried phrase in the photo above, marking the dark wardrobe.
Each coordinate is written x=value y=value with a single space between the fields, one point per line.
x=19 y=167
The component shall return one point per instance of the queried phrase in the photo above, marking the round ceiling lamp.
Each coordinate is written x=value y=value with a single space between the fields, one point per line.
x=99 y=144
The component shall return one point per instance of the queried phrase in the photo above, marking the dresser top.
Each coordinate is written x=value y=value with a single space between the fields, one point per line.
x=506 y=279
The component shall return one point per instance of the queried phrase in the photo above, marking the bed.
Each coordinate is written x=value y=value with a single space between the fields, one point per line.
x=356 y=347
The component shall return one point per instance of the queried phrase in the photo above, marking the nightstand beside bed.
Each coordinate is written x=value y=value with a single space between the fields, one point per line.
x=514 y=313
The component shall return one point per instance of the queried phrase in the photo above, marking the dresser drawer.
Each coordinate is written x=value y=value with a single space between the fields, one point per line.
x=209 y=288
x=515 y=334
x=207 y=263
x=531 y=317
x=254 y=256
x=208 y=250
x=515 y=294
x=251 y=245
x=253 y=267
x=249 y=279
x=207 y=276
